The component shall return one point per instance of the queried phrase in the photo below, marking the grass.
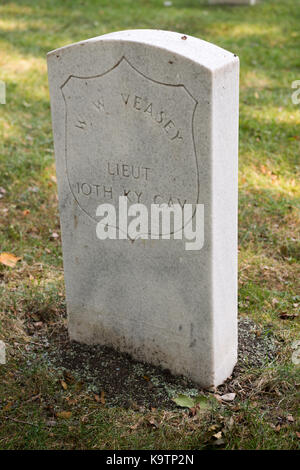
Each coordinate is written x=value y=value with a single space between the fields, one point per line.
x=265 y=413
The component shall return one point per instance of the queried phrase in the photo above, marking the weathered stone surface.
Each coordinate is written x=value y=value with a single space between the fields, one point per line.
x=152 y=115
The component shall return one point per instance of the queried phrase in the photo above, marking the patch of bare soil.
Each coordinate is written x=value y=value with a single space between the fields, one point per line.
x=129 y=383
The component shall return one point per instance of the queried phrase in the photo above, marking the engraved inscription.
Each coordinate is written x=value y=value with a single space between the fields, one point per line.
x=137 y=141
x=81 y=124
x=158 y=116
x=128 y=171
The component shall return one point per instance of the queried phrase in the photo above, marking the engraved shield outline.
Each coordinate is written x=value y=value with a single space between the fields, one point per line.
x=123 y=58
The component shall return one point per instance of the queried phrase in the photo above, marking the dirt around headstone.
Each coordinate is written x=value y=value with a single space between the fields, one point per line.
x=128 y=383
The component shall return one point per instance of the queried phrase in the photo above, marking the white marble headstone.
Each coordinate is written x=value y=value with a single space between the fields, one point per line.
x=152 y=115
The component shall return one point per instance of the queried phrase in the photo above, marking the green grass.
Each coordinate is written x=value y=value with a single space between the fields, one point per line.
x=267 y=40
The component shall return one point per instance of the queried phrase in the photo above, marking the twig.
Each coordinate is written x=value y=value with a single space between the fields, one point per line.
x=19 y=421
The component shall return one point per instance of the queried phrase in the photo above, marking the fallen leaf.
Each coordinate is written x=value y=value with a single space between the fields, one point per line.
x=102 y=399
x=290 y=418
x=218 y=435
x=146 y=378
x=26 y=212
x=228 y=396
x=64 y=385
x=8 y=259
x=68 y=377
x=201 y=402
x=184 y=401
x=64 y=414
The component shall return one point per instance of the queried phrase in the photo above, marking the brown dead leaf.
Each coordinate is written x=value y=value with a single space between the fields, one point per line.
x=290 y=418
x=26 y=212
x=8 y=259
x=68 y=377
x=64 y=385
x=64 y=414
x=218 y=435
x=102 y=399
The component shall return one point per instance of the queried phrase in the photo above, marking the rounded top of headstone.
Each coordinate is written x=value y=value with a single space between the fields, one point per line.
x=208 y=55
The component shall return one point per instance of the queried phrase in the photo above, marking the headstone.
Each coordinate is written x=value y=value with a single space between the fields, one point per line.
x=153 y=116
x=232 y=2
x=2 y=353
